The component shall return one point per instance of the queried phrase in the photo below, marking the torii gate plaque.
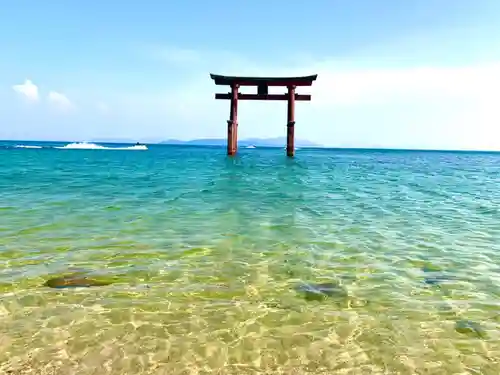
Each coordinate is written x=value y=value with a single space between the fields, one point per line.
x=262 y=84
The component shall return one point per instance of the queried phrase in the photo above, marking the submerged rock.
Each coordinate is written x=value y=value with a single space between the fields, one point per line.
x=468 y=327
x=74 y=282
x=436 y=280
x=322 y=291
x=435 y=276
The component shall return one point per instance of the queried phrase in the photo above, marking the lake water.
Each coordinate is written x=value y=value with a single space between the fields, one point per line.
x=208 y=257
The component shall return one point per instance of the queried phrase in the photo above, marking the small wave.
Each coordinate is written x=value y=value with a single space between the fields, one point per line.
x=27 y=146
x=93 y=146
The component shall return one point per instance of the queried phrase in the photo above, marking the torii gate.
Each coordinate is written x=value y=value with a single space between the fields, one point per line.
x=262 y=84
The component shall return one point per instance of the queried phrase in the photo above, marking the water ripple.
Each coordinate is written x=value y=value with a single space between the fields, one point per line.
x=205 y=254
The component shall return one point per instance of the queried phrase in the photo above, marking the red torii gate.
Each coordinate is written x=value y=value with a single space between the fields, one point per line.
x=262 y=84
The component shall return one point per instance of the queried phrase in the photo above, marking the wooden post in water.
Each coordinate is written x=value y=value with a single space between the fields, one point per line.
x=262 y=84
x=290 y=126
x=232 y=123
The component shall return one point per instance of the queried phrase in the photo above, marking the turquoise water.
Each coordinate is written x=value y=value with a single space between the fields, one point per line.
x=205 y=254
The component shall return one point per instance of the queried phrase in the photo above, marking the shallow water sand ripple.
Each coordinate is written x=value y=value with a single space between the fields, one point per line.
x=205 y=255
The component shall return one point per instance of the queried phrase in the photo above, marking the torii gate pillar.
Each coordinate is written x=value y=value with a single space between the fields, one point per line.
x=232 y=123
x=290 y=126
x=262 y=84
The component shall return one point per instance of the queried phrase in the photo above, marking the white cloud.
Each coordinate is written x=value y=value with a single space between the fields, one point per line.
x=422 y=106
x=355 y=87
x=31 y=92
x=419 y=106
x=28 y=89
x=59 y=100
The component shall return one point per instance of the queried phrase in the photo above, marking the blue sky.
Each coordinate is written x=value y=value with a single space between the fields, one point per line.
x=392 y=73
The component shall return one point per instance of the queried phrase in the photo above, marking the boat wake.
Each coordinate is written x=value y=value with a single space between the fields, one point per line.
x=94 y=146
x=88 y=146
x=27 y=146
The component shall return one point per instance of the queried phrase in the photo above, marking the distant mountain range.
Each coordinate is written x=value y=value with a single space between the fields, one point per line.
x=258 y=142
x=125 y=140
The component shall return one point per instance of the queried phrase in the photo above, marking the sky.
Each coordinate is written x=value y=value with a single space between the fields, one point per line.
x=391 y=73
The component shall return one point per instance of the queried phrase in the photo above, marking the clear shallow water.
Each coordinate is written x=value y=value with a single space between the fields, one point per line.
x=205 y=252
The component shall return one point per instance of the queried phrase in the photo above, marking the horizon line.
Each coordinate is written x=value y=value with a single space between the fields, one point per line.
x=319 y=147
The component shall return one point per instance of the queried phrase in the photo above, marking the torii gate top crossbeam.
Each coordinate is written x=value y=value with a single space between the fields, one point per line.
x=263 y=81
